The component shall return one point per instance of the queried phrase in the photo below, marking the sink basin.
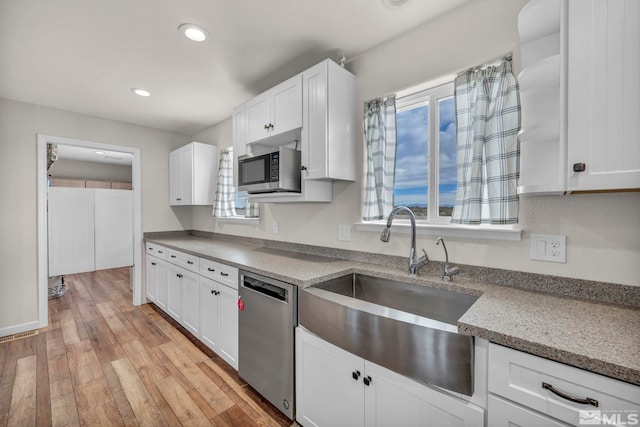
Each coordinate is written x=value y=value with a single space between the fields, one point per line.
x=406 y=328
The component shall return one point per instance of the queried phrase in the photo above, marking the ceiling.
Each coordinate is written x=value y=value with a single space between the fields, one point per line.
x=85 y=56
x=71 y=152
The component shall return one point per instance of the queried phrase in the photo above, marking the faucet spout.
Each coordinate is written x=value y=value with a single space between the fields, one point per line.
x=414 y=262
x=448 y=270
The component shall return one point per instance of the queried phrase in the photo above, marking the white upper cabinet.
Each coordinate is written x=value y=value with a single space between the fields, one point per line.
x=604 y=95
x=323 y=128
x=580 y=96
x=193 y=173
x=329 y=117
x=275 y=116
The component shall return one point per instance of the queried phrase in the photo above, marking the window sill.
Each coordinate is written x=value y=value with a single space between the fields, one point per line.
x=486 y=232
x=239 y=220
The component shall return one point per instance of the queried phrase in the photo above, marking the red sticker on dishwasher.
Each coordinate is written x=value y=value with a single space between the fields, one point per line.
x=240 y=304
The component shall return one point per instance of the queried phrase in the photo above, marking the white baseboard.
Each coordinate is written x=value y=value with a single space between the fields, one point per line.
x=16 y=329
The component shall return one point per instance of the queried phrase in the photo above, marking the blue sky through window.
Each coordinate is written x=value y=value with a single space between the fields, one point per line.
x=412 y=163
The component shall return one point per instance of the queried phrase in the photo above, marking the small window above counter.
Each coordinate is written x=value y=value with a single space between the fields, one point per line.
x=325 y=134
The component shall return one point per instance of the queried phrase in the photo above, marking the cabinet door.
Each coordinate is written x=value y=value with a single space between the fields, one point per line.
x=239 y=138
x=175 y=178
x=161 y=284
x=329 y=387
x=314 y=135
x=501 y=413
x=258 y=117
x=191 y=302
x=71 y=220
x=174 y=291
x=286 y=106
x=209 y=313
x=228 y=323
x=392 y=399
x=151 y=272
x=604 y=94
x=186 y=174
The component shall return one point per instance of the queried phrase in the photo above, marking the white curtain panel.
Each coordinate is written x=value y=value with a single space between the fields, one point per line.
x=488 y=153
x=224 y=199
x=380 y=136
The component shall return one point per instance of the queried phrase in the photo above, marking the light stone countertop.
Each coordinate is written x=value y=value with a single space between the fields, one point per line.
x=602 y=338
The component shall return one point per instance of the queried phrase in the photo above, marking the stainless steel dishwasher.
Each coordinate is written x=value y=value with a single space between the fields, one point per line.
x=268 y=316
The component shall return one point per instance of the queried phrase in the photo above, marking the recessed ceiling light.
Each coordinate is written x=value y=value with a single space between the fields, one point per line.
x=193 y=32
x=100 y=153
x=140 y=92
x=395 y=4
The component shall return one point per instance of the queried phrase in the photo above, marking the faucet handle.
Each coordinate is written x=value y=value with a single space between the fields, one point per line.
x=423 y=260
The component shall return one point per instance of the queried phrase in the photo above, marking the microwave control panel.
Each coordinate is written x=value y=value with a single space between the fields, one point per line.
x=275 y=167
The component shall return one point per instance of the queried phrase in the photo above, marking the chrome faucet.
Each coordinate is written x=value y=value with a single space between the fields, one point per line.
x=448 y=270
x=414 y=262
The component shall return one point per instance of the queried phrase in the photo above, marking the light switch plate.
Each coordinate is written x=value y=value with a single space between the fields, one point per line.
x=546 y=247
x=344 y=232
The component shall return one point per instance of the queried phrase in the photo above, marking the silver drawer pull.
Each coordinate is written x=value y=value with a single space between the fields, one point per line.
x=189 y=262
x=159 y=252
x=224 y=274
x=585 y=401
x=211 y=269
x=173 y=256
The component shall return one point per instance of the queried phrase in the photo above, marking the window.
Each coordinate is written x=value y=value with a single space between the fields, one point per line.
x=426 y=172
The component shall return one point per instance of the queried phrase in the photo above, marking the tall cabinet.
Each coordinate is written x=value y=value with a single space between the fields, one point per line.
x=193 y=174
x=580 y=96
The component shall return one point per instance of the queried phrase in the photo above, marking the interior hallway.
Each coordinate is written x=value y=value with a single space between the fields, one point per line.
x=102 y=361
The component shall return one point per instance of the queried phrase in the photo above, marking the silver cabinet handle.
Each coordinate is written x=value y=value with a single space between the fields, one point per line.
x=189 y=262
x=179 y=276
x=211 y=269
x=585 y=401
x=224 y=274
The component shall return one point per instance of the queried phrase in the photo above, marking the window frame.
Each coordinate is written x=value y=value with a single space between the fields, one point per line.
x=430 y=96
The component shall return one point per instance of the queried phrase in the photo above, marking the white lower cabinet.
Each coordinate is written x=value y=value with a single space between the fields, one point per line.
x=337 y=388
x=179 y=279
x=542 y=392
x=157 y=281
x=219 y=319
x=191 y=302
x=502 y=413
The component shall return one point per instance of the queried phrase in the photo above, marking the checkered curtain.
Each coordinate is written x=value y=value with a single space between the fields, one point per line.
x=488 y=153
x=224 y=199
x=380 y=136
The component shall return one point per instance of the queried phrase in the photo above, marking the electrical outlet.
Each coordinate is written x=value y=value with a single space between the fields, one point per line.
x=275 y=227
x=548 y=248
x=344 y=232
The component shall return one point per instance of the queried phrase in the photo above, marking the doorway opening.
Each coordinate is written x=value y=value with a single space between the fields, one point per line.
x=43 y=255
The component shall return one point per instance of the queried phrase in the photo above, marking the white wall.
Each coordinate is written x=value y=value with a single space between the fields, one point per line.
x=19 y=124
x=603 y=230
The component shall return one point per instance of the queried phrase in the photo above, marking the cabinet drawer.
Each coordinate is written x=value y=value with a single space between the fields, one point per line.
x=506 y=414
x=156 y=250
x=190 y=262
x=219 y=272
x=520 y=377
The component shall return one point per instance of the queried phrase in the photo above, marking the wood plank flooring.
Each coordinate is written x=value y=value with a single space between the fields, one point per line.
x=102 y=361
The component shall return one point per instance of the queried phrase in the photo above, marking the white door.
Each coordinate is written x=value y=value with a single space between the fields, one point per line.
x=113 y=228
x=71 y=228
x=175 y=275
x=329 y=387
x=286 y=105
x=258 y=117
x=228 y=324
x=191 y=302
x=209 y=313
x=152 y=277
x=392 y=399
x=161 y=284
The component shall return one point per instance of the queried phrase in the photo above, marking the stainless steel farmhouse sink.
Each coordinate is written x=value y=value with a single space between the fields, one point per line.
x=406 y=328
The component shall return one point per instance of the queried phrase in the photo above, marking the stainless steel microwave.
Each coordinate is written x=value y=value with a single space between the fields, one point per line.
x=272 y=171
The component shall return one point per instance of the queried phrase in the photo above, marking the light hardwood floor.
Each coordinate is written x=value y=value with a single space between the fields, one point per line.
x=102 y=361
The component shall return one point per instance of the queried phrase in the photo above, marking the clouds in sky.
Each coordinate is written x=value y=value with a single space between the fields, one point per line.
x=412 y=170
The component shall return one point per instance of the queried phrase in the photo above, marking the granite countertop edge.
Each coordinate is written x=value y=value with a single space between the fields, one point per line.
x=478 y=321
